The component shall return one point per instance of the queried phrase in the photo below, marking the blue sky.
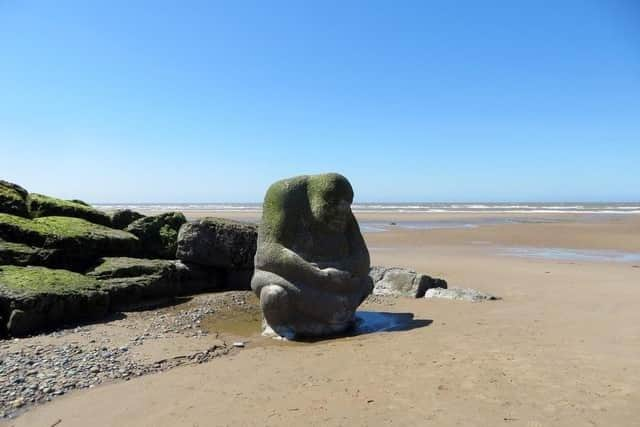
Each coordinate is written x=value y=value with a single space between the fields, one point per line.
x=412 y=101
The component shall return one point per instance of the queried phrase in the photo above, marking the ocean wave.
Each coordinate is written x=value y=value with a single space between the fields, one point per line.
x=556 y=208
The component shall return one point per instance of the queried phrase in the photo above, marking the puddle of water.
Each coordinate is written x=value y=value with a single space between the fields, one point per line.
x=378 y=227
x=467 y=223
x=368 y=322
x=241 y=321
x=566 y=254
x=247 y=323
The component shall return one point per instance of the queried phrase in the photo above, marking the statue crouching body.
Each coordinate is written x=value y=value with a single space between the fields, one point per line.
x=312 y=264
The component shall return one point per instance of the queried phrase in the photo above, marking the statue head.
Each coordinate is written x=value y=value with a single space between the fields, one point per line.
x=330 y=196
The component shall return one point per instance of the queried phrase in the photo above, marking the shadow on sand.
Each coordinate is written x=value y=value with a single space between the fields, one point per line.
x=370 y=322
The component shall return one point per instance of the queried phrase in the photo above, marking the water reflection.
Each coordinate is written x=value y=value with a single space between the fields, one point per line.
x=247 y=323
x=368 y=322
x=565 y=254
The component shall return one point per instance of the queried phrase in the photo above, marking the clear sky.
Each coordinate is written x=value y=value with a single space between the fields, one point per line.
x=169 y=101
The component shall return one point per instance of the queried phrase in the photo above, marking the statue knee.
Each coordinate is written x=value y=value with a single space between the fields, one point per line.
x=274 y=301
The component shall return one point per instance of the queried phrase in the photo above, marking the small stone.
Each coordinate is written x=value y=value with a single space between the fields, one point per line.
x=18 y=403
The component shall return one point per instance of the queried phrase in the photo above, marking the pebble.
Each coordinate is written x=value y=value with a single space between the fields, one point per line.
x=32 y=372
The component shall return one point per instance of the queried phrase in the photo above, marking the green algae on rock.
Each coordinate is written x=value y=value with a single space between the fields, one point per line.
x=76 y=241
x=21 y=254
x=158 y=234
x=113 y=267
x=135 y=281
x=30 y=280
x=13 y=199
x=37 y=298
x=44 y=206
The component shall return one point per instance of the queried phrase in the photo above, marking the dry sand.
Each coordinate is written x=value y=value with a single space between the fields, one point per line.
x=560 y=348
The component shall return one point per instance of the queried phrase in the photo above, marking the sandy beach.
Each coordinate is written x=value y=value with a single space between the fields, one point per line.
x=560 y=347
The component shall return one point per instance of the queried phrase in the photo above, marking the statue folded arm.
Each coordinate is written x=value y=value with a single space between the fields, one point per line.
x=277 y=259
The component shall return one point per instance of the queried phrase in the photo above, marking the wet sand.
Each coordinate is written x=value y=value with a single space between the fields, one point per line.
x=560 y=348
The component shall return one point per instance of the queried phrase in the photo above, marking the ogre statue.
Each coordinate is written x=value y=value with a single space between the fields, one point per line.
x=311 y=264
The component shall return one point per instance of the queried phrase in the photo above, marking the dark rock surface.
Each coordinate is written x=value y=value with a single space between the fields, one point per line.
x=13 y=199
x=218 y=242
x=121 y=219
x=115 y=267
x=17 y=253
x=43 y=206
x=158 y=234
x=131 y=281
x=402 y=282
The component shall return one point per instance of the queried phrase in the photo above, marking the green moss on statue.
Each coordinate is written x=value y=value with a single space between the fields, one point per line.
x=311 y=264
x=44 y=206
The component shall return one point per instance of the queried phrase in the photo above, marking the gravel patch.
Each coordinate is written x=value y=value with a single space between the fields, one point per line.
x=37 y=369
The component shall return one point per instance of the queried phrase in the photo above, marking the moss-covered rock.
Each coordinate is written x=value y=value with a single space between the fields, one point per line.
x=39 y=298
x=158 y=234
x=113 y=267
x=73 y=242
x=13 y=199
x=134 y=281
x=20 y=254
x=43 y=206
x=122 y=218
x=16 y=253
x=218 y=242
x=35 y=299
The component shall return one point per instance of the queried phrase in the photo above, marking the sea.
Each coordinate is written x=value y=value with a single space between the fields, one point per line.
x=591 y=211
x=587 y=208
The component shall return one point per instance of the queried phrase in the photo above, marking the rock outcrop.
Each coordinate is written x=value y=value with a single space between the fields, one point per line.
x=38 y=298
x=121 y=219
x=134 y=281
x=67 y=242
x=216 y=242
x=116 y=267
x=402 y=282
x=64 y=261
x=43 y=206
x=158 y=234
x=18 y=254
x=13 y=199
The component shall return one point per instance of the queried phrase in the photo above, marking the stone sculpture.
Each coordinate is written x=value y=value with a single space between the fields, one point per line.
x=311 y=264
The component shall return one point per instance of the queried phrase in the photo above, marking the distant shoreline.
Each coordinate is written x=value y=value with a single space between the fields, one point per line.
x=482 y=208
